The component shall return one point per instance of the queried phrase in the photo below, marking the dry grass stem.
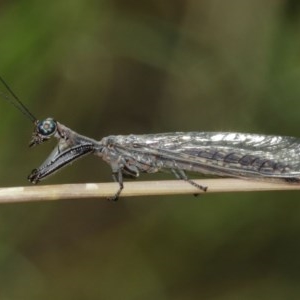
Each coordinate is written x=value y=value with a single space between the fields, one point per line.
x=135 y=188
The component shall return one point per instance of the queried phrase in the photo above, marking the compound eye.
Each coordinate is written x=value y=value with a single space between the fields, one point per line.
x=47 y=127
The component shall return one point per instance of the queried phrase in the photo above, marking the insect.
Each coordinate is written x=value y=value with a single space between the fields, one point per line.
x=252 y=156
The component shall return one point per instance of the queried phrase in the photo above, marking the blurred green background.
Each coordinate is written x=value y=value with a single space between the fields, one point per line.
x=120 y=67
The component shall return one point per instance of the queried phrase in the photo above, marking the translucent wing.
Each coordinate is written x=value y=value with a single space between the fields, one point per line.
x=217 y=153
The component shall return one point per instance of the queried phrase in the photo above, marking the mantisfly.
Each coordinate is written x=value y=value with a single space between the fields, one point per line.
x=251 y=156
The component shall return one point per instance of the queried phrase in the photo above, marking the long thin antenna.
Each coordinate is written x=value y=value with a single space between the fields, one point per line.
x=17 y=102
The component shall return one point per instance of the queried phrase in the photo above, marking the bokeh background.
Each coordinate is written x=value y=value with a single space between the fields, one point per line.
x=119 y=67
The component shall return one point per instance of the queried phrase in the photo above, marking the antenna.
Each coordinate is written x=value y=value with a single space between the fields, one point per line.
x=16 y=102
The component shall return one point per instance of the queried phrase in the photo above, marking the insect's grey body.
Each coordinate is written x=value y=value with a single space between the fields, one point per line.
x=216 y=153
x=242 y=155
